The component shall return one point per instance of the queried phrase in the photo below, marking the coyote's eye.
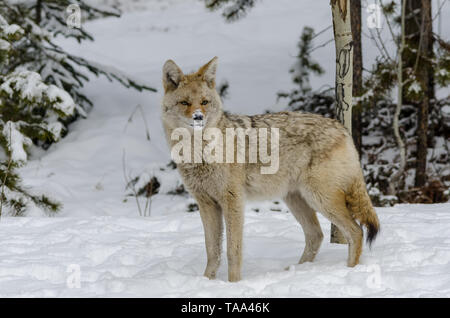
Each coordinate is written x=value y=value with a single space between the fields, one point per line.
x=185 y=103
x=204 y=102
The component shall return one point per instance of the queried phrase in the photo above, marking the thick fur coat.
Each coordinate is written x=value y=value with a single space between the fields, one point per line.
x=319 y=170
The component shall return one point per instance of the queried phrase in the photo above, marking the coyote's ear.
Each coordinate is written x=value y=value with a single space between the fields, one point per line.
x=172 y=75
x=208 y=72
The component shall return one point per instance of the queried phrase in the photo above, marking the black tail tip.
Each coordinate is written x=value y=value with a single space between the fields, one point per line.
x=372 y=231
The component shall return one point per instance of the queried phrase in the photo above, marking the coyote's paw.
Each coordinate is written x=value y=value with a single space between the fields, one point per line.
x=290 y=268
x=210 y=275
x=352 y=263
x=210 y=272
x=234 y=277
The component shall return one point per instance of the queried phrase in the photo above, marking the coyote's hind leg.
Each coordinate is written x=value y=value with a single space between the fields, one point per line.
x=334 y=209
x=307 y=218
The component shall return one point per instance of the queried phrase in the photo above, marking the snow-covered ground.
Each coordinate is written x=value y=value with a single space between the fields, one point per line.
x=164 y=256
x=119 y=253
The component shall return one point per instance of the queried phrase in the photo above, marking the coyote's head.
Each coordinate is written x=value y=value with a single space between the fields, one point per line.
x=190 y=101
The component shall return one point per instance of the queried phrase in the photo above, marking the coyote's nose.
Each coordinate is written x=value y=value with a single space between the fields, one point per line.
x=197 y=116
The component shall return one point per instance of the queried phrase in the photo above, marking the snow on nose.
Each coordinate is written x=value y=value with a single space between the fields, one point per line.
x=198 y=119
x=197 y=115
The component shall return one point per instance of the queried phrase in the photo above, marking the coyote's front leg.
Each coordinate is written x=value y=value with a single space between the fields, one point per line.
x=233 y=211
x=213 y=227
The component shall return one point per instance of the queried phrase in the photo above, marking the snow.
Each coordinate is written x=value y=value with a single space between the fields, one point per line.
x=63 y=101
x=119 y=253
x=16 y=141
x=445 y=110
x=138 y=5
x=55 y=128
x=31 y=87
x=164 y=256
x=172 y=179
x=28 y=84
x=4 y=45
x=415 y=87
x=11 y=29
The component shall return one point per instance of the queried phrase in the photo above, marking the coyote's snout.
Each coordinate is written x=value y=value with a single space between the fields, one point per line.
x=318 y=170
x=198 y=120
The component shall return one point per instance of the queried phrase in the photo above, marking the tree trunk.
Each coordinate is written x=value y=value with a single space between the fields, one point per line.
x=413 y=19
x=344 y=75
x=394 y=181
x=355 y=12
x=424 y=74
x=38 y=11
x=416 y=56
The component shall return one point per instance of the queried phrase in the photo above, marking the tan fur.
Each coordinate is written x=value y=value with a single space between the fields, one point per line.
x=319 y=170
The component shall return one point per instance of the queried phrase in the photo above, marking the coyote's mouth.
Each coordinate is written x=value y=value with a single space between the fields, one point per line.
x=198 y=120
x=198 y=124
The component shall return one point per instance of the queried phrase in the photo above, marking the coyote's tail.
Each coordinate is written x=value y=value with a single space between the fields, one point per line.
x=360 y=206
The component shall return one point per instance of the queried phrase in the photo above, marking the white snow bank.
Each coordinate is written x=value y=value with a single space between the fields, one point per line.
x=164 y=256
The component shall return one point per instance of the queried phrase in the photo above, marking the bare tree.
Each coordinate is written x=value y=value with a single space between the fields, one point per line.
x=355 y=13
x=417 y=57
x=425 y=75
x=344 y=76
x=393 y=185
x=38 y=12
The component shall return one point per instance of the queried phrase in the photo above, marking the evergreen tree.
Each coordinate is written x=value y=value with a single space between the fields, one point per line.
x=44 y=20
x=30 y=111
x=41 y=87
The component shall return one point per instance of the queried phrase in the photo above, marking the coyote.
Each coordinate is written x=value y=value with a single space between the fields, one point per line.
x=319 y=170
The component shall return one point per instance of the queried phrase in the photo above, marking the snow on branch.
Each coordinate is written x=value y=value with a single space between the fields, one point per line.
x=16 y=141
x=30 y=87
